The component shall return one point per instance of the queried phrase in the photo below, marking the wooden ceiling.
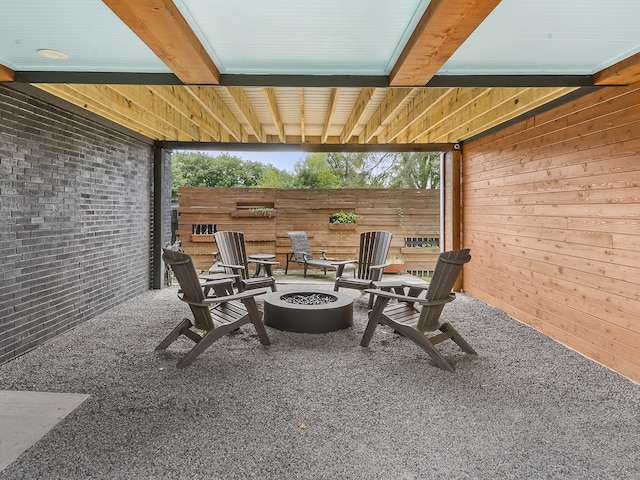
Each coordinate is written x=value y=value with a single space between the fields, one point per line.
x=406 y=109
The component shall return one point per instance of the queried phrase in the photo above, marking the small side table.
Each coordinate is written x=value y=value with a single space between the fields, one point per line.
x=267 y=266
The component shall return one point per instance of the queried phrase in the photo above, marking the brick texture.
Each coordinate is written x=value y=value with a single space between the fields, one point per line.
x=76 y=215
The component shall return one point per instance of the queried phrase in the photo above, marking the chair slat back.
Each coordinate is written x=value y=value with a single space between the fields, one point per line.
x=184 y=270
x=300 y=245
x=445 y=274
x=374 y=247
x=232 y=250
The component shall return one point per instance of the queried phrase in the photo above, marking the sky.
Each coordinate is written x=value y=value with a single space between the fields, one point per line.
x=281 y=160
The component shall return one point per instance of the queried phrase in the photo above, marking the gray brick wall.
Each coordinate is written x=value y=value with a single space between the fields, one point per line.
x=76 y=211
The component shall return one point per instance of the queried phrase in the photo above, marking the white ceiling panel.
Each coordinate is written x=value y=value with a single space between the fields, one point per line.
x=94 y=39
x=568 y=37
x=362 y=37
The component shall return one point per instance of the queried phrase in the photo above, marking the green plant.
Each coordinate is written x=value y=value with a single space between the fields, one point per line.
x=341 y=217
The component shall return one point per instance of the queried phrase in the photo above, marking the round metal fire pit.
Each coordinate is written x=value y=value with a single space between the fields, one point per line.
x=308 y=312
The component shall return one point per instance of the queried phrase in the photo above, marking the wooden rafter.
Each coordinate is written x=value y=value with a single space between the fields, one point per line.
x=416 y=109
x=302 y=134
x=270 y=95
x=215 y=106
x=6 y=74
x=181 y=100
x=161 y=26
x=331 y=110
x=386 y=111
x=624 y=72
x=363 y=101
x=93 y=99
x=247 y=113
x=444 y=26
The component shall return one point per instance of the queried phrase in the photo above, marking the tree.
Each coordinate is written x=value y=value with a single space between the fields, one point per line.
x=416 y=170
x=196 y=169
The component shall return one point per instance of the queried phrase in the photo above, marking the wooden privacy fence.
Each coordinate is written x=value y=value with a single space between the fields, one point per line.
x=265 y=215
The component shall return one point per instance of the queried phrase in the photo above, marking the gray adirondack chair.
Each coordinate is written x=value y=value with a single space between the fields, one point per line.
x=213 y=316
x=372 y=255
x=417 y=311
x=233 y=257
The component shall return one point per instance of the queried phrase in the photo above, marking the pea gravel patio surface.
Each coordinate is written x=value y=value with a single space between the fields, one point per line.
x=322 y=407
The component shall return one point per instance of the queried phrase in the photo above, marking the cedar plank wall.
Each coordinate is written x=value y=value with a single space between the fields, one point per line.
x=404 y=212
x=551 y=213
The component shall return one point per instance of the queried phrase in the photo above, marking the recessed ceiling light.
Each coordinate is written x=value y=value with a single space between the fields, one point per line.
x=54 y=54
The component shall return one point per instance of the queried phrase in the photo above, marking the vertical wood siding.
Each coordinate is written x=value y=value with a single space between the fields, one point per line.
x=551 y=212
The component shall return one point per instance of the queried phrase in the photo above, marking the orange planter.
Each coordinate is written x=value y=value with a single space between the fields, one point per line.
x=393 y=268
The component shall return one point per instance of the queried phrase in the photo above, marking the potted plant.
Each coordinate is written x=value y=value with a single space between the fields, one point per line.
x=342 y=221
x=396 y=265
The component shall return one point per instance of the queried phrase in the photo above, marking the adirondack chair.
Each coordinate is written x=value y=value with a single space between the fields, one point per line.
x=213 y=316
x=303 y=254
x=416 y=316
x=233 y=257
x=372 y=254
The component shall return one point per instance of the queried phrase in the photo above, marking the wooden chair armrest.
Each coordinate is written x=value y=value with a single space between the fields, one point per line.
x=410 y=299
x=233 y=267
x=227 y=298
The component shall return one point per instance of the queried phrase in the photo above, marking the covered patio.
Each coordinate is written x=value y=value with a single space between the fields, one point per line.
x=320 y=406
x=536 y=108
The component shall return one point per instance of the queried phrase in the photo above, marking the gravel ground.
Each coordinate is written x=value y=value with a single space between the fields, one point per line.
x=322 y=407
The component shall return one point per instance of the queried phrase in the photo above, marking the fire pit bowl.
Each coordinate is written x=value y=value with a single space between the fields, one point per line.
x=308 y=312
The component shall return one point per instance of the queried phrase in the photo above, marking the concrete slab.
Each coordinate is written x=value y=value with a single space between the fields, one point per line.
x=25 y=417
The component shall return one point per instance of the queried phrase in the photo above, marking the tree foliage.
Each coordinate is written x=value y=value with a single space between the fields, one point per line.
x=317 y=170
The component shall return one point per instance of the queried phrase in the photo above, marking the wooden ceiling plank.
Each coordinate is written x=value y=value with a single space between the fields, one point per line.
x=624 y=72
x=386 y=111
x=208 y=98
x=92 y=102
x=270 y=95
x=331 y=110
x=415 y=110
x=363 y=101
x=443 y=28
x=246 y=110
x=161 y=26
x=6 y=74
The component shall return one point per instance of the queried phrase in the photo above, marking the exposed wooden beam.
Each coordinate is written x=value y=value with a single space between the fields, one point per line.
x=489 y=108
x=331 y=110
x=445 y=25
x=181 y=100
x=215 y=106
x=247 y=112
x=624 y=72
x=302 y=135
x=270 y=95
x=363 y=101
x=416 y=109
x=90 y=98
x=387 y=110
x=6 y=74
x=161 y=26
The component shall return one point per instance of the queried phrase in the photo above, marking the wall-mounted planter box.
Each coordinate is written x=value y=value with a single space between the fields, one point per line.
x=253 y=213
x=342 y=226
